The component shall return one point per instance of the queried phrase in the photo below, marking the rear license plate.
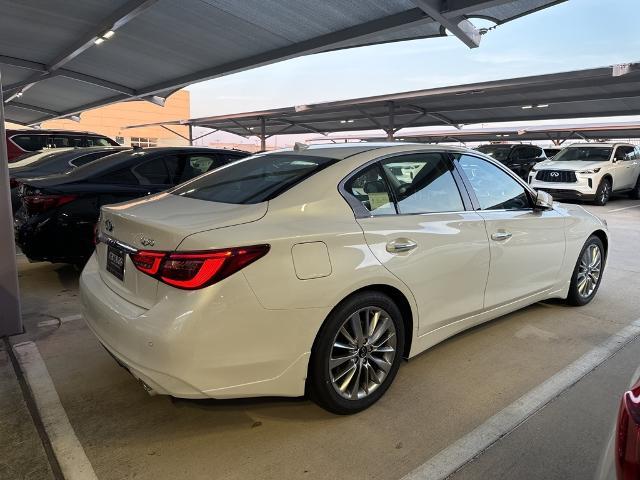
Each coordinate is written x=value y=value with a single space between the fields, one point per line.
x=115 y=262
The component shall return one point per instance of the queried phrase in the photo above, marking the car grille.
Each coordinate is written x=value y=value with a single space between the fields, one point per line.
x=556 y=176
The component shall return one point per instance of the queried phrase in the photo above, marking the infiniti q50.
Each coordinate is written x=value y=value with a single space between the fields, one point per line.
x=316 y=270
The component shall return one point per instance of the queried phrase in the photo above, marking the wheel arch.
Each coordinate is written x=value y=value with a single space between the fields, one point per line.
x=400 y=300
x=601 y=234
x=608 y=176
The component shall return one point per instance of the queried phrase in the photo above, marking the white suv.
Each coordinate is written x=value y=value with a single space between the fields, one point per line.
x=590 y=171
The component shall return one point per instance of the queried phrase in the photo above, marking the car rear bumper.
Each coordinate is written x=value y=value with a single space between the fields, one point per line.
x=218 y=342
x=47 y=238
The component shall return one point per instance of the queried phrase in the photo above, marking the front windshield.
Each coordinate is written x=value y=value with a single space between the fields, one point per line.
x=584 y=154
x=253 y=179
x=499 y=152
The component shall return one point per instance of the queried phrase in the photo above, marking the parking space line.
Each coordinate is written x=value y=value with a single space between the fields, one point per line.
x=623 y=208
x=461 y=452
x=69 y=453
x=59 y=320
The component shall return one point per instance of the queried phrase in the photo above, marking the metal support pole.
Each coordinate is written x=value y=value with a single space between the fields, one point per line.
x=10 y=317
x=391 y=130
x=190 y=134
x=263 y=132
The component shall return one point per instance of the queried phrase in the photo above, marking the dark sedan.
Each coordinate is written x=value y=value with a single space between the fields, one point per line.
x=519 y=158
x=58 y=214
x=55 y=163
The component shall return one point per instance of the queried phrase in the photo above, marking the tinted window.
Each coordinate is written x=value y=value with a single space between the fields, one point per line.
x=98 y=142
x=118 y=177
x=494 y=188
x=154 y=172
x=30 y=142
x=254 y=179
x=423 y=183
x=587 y=154
x=499 y=152
x=625 y=153
x=372 y=190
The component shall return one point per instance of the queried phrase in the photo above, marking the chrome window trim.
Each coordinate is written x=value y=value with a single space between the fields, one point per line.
x=360 y=210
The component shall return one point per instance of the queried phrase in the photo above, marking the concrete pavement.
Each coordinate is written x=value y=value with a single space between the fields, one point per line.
x=436 y=399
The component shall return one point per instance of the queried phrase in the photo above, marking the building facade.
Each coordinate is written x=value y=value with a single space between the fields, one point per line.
x=111 y=121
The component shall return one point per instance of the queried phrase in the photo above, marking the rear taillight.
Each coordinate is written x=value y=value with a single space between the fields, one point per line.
x=13 y=183
x=628 y=436
x=193 y=270
x=41 y=203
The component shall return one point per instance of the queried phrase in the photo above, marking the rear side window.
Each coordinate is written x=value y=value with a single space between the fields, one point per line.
x=30 y=142
x=98 y=142
x=159 y=171
x=254 y=179
x=372 y=190
x=423 y=183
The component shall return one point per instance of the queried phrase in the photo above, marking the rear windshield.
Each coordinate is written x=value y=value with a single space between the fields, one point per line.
x=499 y=152
x=586 y=154
x=254 y=179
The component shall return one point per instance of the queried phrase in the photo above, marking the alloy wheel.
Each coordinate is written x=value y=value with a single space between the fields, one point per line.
x=605 y=193
x=362 y=353
x=589 y=270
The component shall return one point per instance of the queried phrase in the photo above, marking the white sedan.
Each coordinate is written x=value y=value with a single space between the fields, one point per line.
x=316 y=270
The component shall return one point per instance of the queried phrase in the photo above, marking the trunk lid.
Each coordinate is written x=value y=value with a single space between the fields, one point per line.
x=160 y=222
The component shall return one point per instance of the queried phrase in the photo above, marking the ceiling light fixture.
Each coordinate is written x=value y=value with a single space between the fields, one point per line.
x=527 y=107
x=98 y=41
x=543 y=105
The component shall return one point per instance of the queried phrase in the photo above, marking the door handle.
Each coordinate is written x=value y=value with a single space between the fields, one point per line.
x=499 y=236
x=400 y=245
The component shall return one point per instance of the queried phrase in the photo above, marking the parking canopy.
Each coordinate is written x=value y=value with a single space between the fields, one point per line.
x=598 y=92
x=59 y=58
x=558 y=134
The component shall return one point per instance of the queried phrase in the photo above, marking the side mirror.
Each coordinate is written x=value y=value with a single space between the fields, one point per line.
x=544 y=201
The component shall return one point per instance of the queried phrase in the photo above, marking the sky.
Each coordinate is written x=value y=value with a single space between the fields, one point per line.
x=577 y=34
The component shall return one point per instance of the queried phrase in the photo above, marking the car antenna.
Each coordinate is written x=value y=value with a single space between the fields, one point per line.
x=298 y=147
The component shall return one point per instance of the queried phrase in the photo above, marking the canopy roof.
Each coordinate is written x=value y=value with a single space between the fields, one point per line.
x=555 y=133
x=597 y=92
x=60 y=57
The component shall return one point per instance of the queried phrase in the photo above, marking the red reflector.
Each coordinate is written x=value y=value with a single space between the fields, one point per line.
x=193 y=270
x=42 y=203
x=147 y=262
x=628 y=436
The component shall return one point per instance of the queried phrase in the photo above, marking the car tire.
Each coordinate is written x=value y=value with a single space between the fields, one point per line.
x=603 y=193
x=635 y=193
x=587 y=273
x=349 y=372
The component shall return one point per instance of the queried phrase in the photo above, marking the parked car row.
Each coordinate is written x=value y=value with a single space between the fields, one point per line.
x=590 y=171
x=20 y=142
x=57 y=198
x=581 y=171
x=310 y=270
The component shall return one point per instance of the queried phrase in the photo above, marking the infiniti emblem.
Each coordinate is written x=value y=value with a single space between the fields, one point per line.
x=108 y=226
x=147 y=242
x=555 y=174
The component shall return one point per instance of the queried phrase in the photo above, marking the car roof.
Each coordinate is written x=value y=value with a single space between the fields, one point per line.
x=345 y=150
x=600 y=144
x=49 y=132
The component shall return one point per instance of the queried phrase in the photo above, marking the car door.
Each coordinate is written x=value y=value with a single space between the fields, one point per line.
x=527 y=246
x=625 y=168
x=417 y=226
